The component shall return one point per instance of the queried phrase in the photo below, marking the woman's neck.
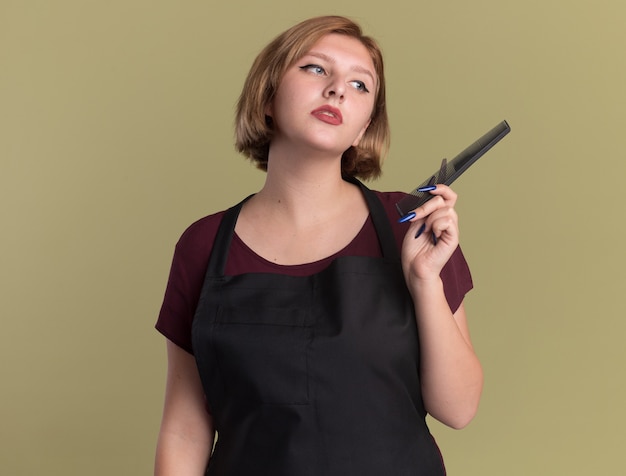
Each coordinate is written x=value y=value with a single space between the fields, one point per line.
x=313 y=185
x=304 y=212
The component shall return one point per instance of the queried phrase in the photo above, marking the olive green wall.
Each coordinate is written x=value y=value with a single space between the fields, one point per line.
x=115 y=134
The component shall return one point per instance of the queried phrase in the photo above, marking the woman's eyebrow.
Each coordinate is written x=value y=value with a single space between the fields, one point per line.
x=356 y=68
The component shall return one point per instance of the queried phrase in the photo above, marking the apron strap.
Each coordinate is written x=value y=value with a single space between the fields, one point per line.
x=379 y=216
x=223 y=239
x=226 y=230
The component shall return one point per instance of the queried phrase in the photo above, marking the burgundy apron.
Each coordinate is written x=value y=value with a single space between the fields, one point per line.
x=315 y=375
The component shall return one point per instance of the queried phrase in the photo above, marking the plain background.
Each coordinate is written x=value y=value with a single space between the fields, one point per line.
x=116 y=134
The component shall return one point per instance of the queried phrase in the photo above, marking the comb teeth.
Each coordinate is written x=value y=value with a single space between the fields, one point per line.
x=413 y=200
x=449 y=171
x=416 y=199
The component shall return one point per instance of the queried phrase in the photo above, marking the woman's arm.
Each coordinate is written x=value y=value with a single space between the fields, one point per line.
x=451 y=375
x=186 y=435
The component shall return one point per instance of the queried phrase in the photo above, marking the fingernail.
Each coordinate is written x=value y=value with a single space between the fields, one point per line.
x=434 y=238
x=428 y=188
x=420 y=231
x=407 y=217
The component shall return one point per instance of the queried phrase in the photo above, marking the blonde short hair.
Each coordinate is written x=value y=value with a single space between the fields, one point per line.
x=253 y=129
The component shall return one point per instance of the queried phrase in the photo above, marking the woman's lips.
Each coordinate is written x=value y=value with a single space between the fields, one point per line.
x=328 y=114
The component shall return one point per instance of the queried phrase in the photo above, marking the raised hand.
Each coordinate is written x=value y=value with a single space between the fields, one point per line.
x=432 y=237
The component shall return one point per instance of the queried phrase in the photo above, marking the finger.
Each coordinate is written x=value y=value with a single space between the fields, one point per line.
x=415 y=226
x=443 y=215
x=431 y=206
x=443 y=196
x=446 y=193
x=441 y=221
x=444 y=224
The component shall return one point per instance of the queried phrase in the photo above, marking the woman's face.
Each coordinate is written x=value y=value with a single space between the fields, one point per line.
x=325 y=99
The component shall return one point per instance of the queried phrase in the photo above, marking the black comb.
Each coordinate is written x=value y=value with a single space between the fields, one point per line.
x=451 y=170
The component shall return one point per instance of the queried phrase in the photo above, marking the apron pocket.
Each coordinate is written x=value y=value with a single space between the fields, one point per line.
x=262 y=354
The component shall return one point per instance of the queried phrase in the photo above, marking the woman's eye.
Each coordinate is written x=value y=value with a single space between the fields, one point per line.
x=360 y=85
x=313 y=68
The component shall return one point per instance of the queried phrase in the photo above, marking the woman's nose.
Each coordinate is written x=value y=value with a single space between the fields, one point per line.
x=335 y=89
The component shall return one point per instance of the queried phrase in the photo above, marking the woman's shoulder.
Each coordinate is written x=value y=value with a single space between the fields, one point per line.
x=388 y=195
x=200 y=234
x=389 y=199
x=191 y=256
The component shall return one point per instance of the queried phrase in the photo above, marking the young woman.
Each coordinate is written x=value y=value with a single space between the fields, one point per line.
x=306 y=327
